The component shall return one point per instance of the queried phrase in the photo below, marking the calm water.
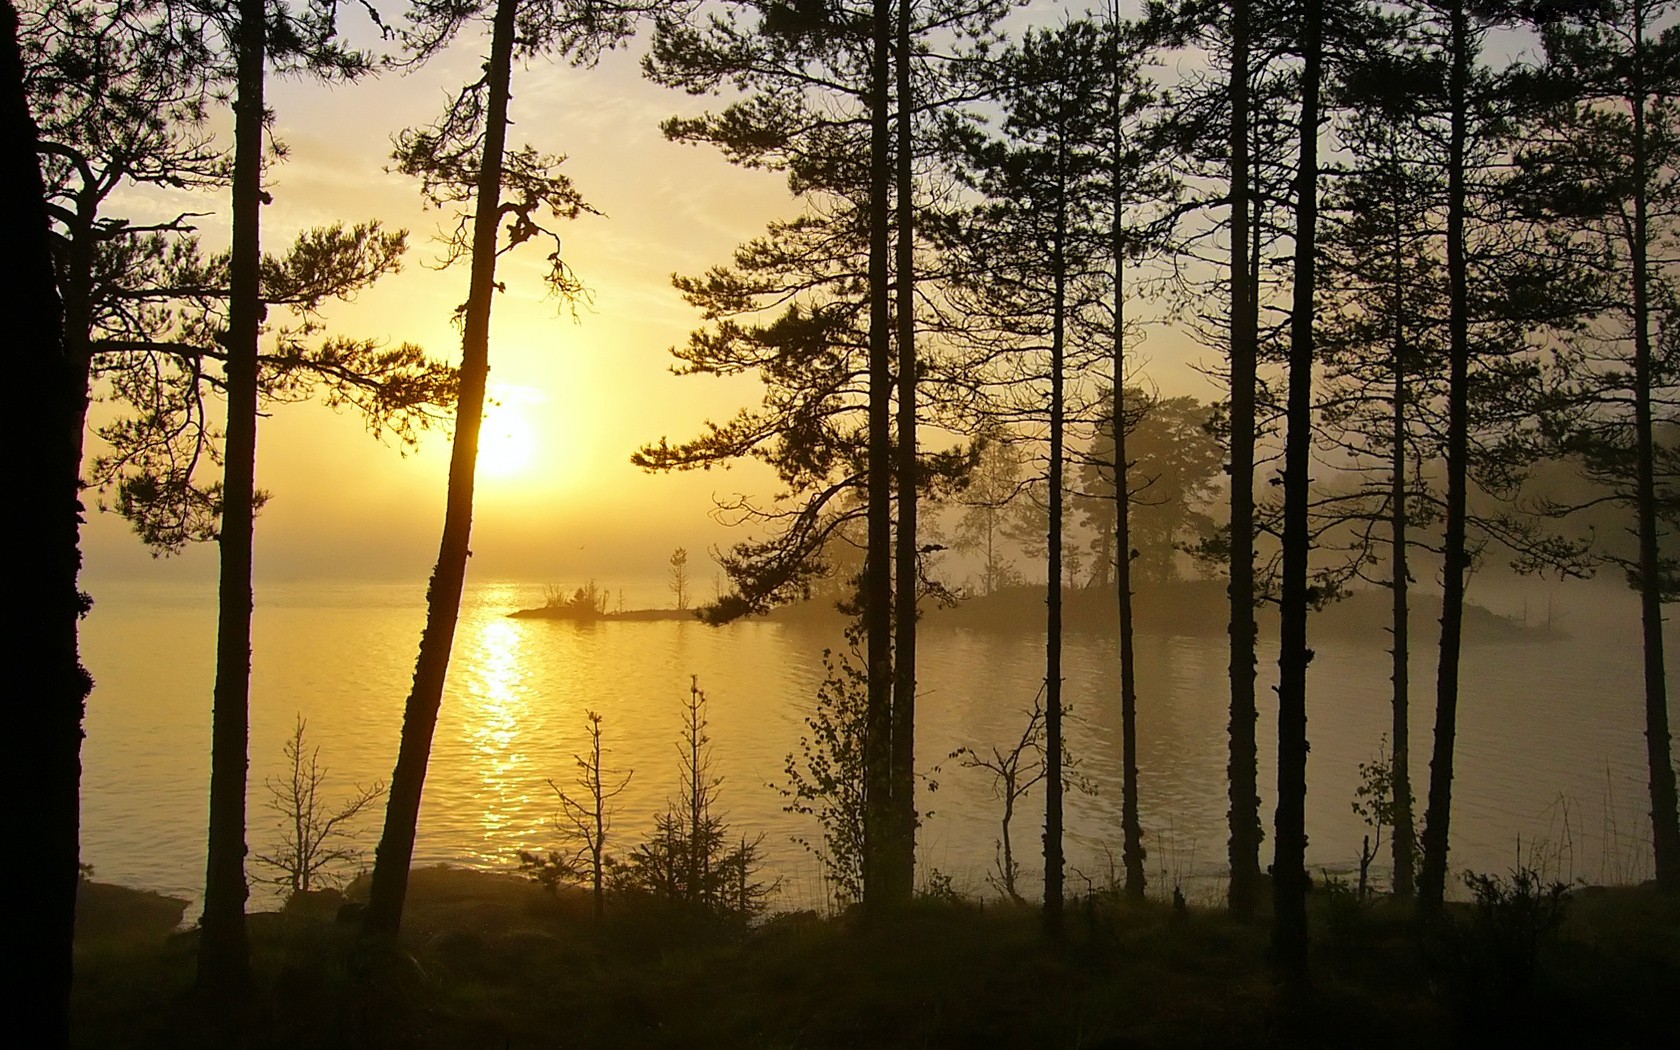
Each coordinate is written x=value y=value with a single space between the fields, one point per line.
x=1550 y=747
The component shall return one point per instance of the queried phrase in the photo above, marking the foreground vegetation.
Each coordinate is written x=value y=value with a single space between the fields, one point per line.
x=494 y=961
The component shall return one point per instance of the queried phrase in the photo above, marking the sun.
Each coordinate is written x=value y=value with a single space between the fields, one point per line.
x=506 y=443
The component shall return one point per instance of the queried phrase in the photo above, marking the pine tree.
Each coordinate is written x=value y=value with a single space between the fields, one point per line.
x=1602 y=164
x=464 y=158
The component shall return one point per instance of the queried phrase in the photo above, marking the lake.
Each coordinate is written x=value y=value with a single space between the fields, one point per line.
x=1550 y=766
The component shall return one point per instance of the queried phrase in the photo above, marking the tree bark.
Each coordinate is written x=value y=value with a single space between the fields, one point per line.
x=904 y=653
x=224 y=964
x=877 y=596
x=44 y=742
x=1289 y=843
x=1432 y=879
x=389 y=886
x=1242 y=769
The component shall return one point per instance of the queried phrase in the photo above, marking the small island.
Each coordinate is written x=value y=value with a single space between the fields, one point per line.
x=588 y=604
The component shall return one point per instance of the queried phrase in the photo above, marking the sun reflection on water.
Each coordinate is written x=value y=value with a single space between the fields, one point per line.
x=498 y=720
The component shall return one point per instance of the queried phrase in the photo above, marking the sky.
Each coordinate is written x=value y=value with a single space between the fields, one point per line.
x=574 y=392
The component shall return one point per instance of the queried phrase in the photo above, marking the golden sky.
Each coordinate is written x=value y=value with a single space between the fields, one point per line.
x=557 y=497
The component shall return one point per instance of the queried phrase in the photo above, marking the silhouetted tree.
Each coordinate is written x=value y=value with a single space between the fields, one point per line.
x=1233 y=135
x=827 y=779
x=1234 y=39
x=1013 y=775
x=1469 y=108
x=679 y=578
x=314 y=832
x=901 y=857
x=1381 y=345
x=1386 y=404
x=253 y=35
x=985 y=500
x=163 y=362
x=809 y=308
x=1035 y=242
x=43 y=756
x=1289 y=840
x=1135 y=180
x=691 y=861
x=586 y=820
x=224 y=963
x=1242 y=768
x=464 y=158
x=121 y=90
x=1174 y=464
x=1602 y=161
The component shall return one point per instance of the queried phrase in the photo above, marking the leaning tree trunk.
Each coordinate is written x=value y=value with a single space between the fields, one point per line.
x=224 y=963
x=1289 y=859
x=389 y=886
x=1432 y=880
x=903 y=864
x=877 y=586
x=1665 y=822
x=43 y=758
x=1242 y=769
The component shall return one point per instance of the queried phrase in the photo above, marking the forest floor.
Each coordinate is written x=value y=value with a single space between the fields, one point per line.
x=493 y=961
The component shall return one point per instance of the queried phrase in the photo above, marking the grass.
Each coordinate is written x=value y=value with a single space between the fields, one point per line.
x=492 y=961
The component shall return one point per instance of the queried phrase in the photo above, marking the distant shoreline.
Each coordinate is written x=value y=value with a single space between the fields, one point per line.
x=1187 y=608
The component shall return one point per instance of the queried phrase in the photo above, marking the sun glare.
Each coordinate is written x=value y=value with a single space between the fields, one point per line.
x=506 y=444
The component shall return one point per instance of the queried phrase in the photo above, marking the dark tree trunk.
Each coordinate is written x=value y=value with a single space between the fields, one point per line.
x=389 y=886
x=877 y=590
x=45 y=738
x=1132 y=851
x=1242 y=769
x=1432 y=880
x=1289 y=859
x=1400 y=778
x=1053 y=856
x=904 y=653
x=224 y=963
x=1665 y=823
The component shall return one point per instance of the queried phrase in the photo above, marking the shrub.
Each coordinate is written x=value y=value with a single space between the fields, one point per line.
x=315 y=848
x=826 y=779
x=693 y=861
x=585 y=822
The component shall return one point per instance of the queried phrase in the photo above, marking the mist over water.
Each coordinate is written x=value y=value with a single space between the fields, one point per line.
x=1550 y=746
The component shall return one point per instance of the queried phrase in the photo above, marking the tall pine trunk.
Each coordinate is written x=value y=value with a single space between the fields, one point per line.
x=1400 y=778
x=877 y=589
x=1665 y=823
x=1289 y=858
x=224 y=964
x=43 y=759
x=389 y=887
x=1242 y=769
x=1053 y=853
x=904 y=652
x=1432 y=880
x=1132 y=852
